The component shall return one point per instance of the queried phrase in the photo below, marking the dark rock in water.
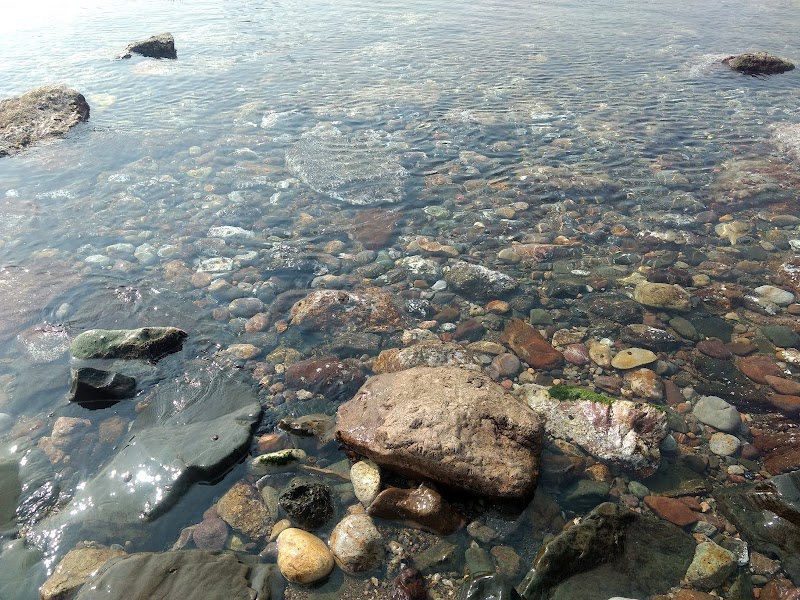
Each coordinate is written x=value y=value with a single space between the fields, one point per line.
x=767 y=515
x=10 y=491
x=475 y=436
x=158 y=46
x=94 y=388
x=190 y=430
x=354 y=344
x=408 y=585
x=329 y=376
x=308 y=503
x=640 y=555
x=479 y=282
x=585 y=494
x=147 y=343
x=484 y=583
x=649 y=337
x=316 y=425
x=37 y=115
x=758 y=63
x=422 y=507
x=178 y=574
x=374 y=228
x=597 y=539
x=780 y=450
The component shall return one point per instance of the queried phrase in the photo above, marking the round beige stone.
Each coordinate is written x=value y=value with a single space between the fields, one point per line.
x=303 y=557
x=631 y=358
x=366 y=478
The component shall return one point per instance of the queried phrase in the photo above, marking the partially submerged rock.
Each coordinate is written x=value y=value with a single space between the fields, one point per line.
x=422 y=507
x=191 y=430
x=767 y=515
x=447 y=424
x=157 y=46
x=77 y=566
x=147 y=343
x=177 y=574
x=758 y=63
x=621 y=432
x=42 y=113
x=95 y=388
x=638 y=555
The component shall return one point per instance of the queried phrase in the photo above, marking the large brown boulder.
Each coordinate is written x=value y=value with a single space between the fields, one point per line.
x=447 y=424
x=39 y=114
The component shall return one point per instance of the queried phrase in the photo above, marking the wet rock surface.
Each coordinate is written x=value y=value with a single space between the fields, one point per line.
x=758 y=63
x=404 y=422
x=171 y=575
x=43 y=113
x=157 y=46
x=148 y=343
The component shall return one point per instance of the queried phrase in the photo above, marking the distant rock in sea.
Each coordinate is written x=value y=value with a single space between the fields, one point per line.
x=158 y=46
x=758 y=63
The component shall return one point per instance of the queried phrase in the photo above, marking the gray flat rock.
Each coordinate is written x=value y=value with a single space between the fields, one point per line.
x=179 y=574
x=193 y=429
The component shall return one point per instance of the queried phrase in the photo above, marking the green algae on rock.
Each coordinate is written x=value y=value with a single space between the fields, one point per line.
x=147 y=343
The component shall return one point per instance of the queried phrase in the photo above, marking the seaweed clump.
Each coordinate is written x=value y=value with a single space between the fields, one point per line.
x=569 y=392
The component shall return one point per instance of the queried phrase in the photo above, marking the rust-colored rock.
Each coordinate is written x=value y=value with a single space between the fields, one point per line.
x=671 y=509
x=374 y=228
x=781 y=451
x=788 y=387
x=422 y=507
x=338 y=311
x=779 y=589
x=758 y=367
x=530 y=346
x=450 y=425
x=788 y=405
x=328 y=376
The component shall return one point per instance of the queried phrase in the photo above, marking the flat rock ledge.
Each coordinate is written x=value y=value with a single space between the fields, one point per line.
x=758 y=63
x=37 y=115
x=158 y=46
x=446 y=424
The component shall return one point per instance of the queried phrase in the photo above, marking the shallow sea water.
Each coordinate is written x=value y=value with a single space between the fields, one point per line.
x=288 y=118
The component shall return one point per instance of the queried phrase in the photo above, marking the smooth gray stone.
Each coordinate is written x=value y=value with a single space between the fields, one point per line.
x=178 y=574
x=193 y=429
x=10 y=490
x=22 y=571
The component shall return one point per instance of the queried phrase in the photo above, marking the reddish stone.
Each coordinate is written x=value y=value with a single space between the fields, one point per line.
x=788 y=405
x=671 y=509
x=758 y=367
x=750 y=452
x=788 y=387
x=781 y=451
x=258 y=322
x=691 y=502
x=672 y=393
x=693 y=595
x=721 y=298
x=530 y=346
x=714 y=348
x=779 y=589
x=609 y=383
x=741 y=348
x=329 y=376
x=374 y=227
x=470 y=329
